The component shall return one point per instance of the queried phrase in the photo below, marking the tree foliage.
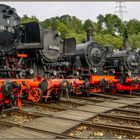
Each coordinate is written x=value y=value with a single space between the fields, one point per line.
x=110 y=24
x=68 y=26
x=108 y=29
x=25 y=19
x=88 y=24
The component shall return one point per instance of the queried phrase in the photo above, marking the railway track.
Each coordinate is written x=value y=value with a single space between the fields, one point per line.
x=100 y=97
x=92 y=122
x=19 y=119
x=96 y=130
x=76 y=118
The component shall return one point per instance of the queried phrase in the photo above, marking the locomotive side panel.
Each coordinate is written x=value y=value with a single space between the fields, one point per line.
x=52 y=45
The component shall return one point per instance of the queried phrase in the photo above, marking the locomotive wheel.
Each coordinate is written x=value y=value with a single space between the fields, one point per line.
x=36 y=95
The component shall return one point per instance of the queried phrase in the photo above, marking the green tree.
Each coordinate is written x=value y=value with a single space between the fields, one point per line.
x=134 y=40
x=26 y=19
x=108 y=39
x=88 y=24
x=108 y=30
x=133 y=26
x=110 y=24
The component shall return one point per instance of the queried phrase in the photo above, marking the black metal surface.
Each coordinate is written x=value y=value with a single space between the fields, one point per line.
x=31 y=37
x=9 y=27
x=123 y=61
x=52 y=45
x=91 y=54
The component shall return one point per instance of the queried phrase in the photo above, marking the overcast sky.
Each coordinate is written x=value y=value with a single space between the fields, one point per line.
x=82 y=10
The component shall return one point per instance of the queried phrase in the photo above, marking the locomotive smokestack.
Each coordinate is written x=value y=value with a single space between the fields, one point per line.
x=89 y=34
x=125 y=40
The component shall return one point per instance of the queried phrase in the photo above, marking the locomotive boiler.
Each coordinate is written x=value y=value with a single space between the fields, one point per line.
x=89 y=55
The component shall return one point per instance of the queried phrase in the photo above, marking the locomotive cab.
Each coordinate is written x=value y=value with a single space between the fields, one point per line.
x=30 y=37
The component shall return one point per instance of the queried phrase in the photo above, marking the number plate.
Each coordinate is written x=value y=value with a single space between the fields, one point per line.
x=54 y=47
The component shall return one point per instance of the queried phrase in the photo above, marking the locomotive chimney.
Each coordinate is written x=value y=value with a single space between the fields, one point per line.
x=125 y=40
x=90 y=34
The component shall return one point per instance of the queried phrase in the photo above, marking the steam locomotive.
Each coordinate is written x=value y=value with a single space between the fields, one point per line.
x=125 y=62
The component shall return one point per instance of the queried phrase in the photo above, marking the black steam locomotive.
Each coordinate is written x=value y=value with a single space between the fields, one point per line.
x=125 y=62
x=89 y=57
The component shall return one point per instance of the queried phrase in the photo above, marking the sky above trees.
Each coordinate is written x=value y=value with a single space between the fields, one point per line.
x=82 y=10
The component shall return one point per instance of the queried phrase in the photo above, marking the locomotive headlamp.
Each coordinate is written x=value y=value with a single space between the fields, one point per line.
x=111 y=71
x=28 y=71
x=22 y=74
x=93 y=70
x=31 y=71
x=54 y=73
x=8 y=87
x=129 y=73
x=105 y=71
x=76 y=73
